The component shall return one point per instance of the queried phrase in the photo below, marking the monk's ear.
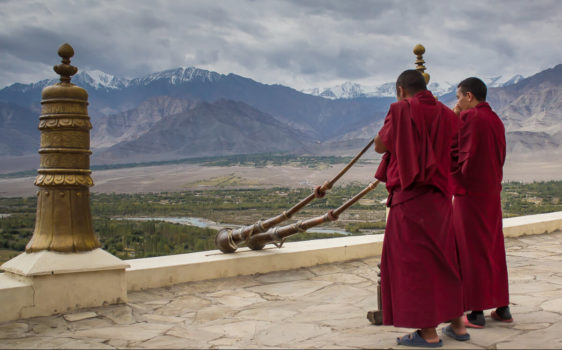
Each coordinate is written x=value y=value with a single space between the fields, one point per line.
x=400 y=93
x=469 y=96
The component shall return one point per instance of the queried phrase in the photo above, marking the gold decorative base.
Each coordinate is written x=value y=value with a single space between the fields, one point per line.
x=63 y=222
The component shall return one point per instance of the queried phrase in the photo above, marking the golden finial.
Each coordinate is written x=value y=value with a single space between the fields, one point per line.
x=64 y=221
x=65 y=69
x=419 y=50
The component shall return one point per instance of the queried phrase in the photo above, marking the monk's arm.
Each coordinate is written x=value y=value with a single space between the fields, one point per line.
x=385 y=132
x=455 y=147
x=379 y=145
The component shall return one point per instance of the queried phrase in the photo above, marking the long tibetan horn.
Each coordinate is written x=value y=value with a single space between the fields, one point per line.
x=227 y=240
x=278 y=234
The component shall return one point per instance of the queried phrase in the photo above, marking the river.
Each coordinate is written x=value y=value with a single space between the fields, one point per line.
x=204 y=223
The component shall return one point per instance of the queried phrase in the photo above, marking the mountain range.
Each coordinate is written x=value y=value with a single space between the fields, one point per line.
x=18 y=130
x=354 y=90
x=190 y=112
x=224 y=127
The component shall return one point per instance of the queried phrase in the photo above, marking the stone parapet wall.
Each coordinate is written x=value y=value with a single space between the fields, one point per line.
x=532 y=224
x=20 y=297
x=173 y=269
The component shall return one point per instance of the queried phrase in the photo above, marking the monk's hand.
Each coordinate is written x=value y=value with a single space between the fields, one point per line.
x=380 y=147
x=457 y=109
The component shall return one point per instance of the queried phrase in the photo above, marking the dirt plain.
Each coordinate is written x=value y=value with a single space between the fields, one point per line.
x=182 y=177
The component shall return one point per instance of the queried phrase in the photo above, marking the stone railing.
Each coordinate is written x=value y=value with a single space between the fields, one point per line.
x=168 y=270
x=19 y=296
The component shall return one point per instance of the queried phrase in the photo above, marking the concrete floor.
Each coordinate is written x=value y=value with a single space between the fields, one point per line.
x=318 y=307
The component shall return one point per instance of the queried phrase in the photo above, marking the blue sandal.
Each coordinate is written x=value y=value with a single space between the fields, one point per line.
x=416 y=340
x=448 y=331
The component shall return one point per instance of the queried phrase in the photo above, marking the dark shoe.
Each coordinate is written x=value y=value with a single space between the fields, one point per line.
x=448 y=331
x=474 y=322
x=502 y=314
x=416 y=340
x=375 y=317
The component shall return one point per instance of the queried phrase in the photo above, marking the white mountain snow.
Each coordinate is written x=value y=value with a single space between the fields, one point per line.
x=98 y=79
x=353 y=90
x=345 y=90
x=178 y=75
x=500 y=81
x=348 y=90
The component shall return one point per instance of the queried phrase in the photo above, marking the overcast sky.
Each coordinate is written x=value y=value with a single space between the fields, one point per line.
x=301 y=44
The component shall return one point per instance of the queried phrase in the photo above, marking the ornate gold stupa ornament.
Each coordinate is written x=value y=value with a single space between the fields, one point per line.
x=419 y=50
x=64 y=219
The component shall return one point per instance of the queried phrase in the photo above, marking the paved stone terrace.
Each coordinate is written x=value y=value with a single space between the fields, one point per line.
x=318 y=307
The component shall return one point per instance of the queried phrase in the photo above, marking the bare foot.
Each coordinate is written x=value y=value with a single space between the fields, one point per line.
x=429 y=335
x=458 y=326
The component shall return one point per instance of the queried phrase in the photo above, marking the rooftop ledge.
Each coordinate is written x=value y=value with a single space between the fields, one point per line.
x=37 y=284
x=173 y=269
x=45 y=275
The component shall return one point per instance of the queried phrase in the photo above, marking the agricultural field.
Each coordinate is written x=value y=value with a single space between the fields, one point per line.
x=137 y=210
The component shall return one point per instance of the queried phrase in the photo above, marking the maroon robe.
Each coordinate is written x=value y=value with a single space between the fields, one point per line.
x=477 y=213
x=420 y=280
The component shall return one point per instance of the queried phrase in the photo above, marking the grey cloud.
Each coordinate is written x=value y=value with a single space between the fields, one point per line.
x=295 y=43
x=358 y=10
x=30 y=43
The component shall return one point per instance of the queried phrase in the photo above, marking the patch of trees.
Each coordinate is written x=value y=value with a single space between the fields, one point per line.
x=128 y=239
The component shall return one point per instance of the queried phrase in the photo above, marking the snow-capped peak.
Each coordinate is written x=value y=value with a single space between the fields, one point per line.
x=514 y=80
x=95 y=78
x=385 y=90
x=98 y=79
x=179 y=75
x=346 y=90
x=440 y=89
x=499 y=81
x=354 y=90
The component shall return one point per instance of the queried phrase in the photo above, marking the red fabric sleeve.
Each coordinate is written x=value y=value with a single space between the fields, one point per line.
x=387 y=138
x=455 y=153
x=387 y=132
x=468 y=136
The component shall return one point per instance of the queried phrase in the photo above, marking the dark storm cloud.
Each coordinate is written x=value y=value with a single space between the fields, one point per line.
x=296 y=43
x=29 y=42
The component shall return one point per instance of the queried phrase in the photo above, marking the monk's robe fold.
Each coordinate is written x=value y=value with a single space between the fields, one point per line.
x=477 y=213
x=420 y=281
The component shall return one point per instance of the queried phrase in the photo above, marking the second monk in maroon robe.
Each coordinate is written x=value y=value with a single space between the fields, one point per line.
x=477 y=209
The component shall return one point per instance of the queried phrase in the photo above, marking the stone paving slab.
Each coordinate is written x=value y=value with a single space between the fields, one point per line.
x=318 y=307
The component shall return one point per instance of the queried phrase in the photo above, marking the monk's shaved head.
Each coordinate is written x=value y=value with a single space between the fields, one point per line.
x=412 y=81
x=474 y=86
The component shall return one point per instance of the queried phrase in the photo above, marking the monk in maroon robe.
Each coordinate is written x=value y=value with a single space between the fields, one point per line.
x=421 y=285
x=477 y=175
